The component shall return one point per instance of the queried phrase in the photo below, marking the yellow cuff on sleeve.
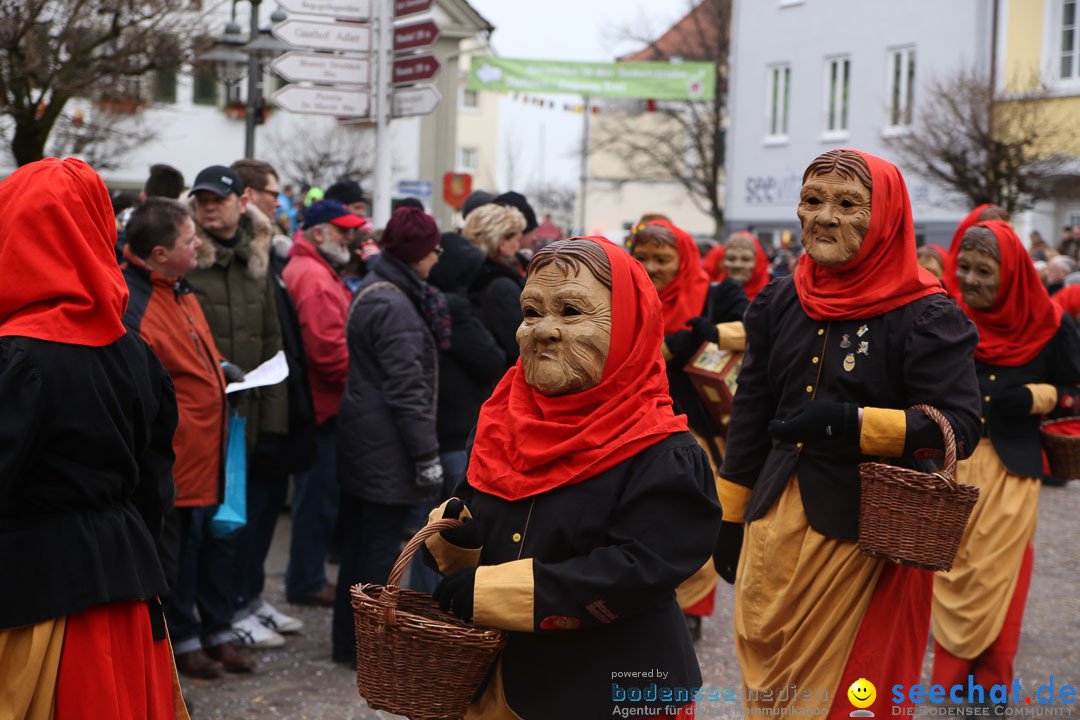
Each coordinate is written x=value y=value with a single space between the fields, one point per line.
x=666 y=352
x=503 y=596
x=733 y=499
x=1044 y=398
x=883 y=432
x=732 y=336
x=450 y=557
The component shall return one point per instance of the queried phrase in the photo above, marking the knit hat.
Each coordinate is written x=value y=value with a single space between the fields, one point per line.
x=410 y=235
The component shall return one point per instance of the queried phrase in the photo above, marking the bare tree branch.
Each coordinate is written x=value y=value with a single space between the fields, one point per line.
x=52 y=51
x=318 y=158
x=989 y=148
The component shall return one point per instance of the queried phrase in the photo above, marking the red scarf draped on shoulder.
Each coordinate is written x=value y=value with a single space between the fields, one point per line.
x=684 y=297
x=528 y=443
x=1022 y=319
x=759 y=278
x=1068 y=299
x=884 y=274
x=949 y=278
x=59 y=280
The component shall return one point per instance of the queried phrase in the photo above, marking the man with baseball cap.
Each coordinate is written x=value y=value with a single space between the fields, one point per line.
x=236 y=291
x=322 y=305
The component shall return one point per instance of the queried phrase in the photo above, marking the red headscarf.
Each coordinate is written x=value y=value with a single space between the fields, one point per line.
x=1068 y=299
x=759 y=278
x=684 y=297
x=884 y=274
x=714 y=263
x=1022 y=319
x=59 y=280
x=949 y=277
x=528 y=443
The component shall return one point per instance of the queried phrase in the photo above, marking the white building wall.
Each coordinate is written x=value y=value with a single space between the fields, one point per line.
x=765 y=174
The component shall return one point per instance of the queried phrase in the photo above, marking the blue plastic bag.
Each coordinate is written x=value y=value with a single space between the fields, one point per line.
x=231 y=514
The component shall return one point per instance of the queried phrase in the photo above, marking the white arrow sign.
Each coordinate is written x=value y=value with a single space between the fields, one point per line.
x=418 y=100
x=322 y=101
x=341 y=9
x=324 y=35
x=322 y=68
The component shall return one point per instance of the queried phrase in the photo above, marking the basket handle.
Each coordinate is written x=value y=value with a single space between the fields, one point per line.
x=950 y=442
x=388 y=598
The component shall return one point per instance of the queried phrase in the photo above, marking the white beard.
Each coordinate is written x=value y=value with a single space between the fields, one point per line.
x=334 y=254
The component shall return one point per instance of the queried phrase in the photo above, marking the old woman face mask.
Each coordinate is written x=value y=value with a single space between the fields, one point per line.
x=566 y=334
x=835 y=214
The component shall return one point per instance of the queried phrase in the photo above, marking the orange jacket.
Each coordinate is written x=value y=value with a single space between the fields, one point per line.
x=165 y=312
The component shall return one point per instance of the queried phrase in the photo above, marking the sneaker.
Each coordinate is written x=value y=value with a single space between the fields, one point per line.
x=276 y=620
x=250 y=632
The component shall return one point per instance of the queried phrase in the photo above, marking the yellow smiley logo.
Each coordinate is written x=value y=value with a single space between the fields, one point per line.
x=862 y=693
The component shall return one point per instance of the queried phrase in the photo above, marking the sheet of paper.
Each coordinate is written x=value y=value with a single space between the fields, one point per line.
x=270 y=372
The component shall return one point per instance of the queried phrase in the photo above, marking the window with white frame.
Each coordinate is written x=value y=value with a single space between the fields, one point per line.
x=1070 y=39
x=901 y=86
x=468 y=159
x=470 y=99
x=779 y=100
x=837 y=94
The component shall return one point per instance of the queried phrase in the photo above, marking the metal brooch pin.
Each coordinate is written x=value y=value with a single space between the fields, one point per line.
x=845 y=342
x=862 y=330
x=864 y=348
x=849 y=362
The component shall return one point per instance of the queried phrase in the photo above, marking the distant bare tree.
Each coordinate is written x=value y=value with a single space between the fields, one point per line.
x=319 y=157
x=102 y=138
x=52 y=51
x=555 y=200
x=684 y=142
x=988 y=147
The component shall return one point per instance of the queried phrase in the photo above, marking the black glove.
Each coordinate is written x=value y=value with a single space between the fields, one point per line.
x=704 y=330
x=454 y=593
x=1013 y=401
x=681 y=345
x=429 y=475
x=468 y=535
x=233 y=373
x=725 y=554
x=819 y=421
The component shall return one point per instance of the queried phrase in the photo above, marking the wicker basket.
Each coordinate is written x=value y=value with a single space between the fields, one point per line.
x=412 y=658
x=1063 y=451
x=915 y=518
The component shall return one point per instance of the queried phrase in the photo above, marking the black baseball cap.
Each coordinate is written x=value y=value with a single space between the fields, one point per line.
x=218 y=179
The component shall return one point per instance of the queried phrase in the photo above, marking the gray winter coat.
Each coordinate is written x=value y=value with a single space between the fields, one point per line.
x=387 y=419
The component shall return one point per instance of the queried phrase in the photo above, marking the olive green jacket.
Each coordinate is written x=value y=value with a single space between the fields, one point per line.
x=235 y=289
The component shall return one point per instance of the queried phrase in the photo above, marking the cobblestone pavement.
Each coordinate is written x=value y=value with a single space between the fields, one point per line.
x=300 y=682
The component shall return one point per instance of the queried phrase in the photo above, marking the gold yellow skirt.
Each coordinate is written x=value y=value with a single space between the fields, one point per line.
x=972 y=599
x=800 y=599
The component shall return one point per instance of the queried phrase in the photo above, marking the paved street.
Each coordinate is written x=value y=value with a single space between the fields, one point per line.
x=300 y=682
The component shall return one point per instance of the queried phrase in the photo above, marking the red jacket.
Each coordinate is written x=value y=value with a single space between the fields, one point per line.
x=165 y=313
x=322 y=304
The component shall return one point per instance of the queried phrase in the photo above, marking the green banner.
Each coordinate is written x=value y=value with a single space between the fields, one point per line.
x=644 y=80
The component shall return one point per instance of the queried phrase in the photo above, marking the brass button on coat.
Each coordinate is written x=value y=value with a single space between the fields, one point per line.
x=516 y=537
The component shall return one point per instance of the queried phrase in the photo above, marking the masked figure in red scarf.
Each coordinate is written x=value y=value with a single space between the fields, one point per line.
x=980 y=214
x=746 y=263
x=86 y=427
x=1028 y=365
x=690 y=304
x=578 y=470
x=835 y=355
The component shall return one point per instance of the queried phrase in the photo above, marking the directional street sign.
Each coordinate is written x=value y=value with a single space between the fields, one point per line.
x=340 y=9
x=324 y=35
x=411 y=7
x=417 y=36
x=415 y=68
x=419 y=100
x=323 y=68
x=322 y=101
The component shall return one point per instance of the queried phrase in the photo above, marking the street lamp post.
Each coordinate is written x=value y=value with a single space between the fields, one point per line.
x=229 y=56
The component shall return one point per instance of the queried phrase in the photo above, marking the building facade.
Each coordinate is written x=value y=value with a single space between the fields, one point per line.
x=807 y=76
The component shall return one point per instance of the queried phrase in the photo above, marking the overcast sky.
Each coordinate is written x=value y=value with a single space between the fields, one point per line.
x=547 y=140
